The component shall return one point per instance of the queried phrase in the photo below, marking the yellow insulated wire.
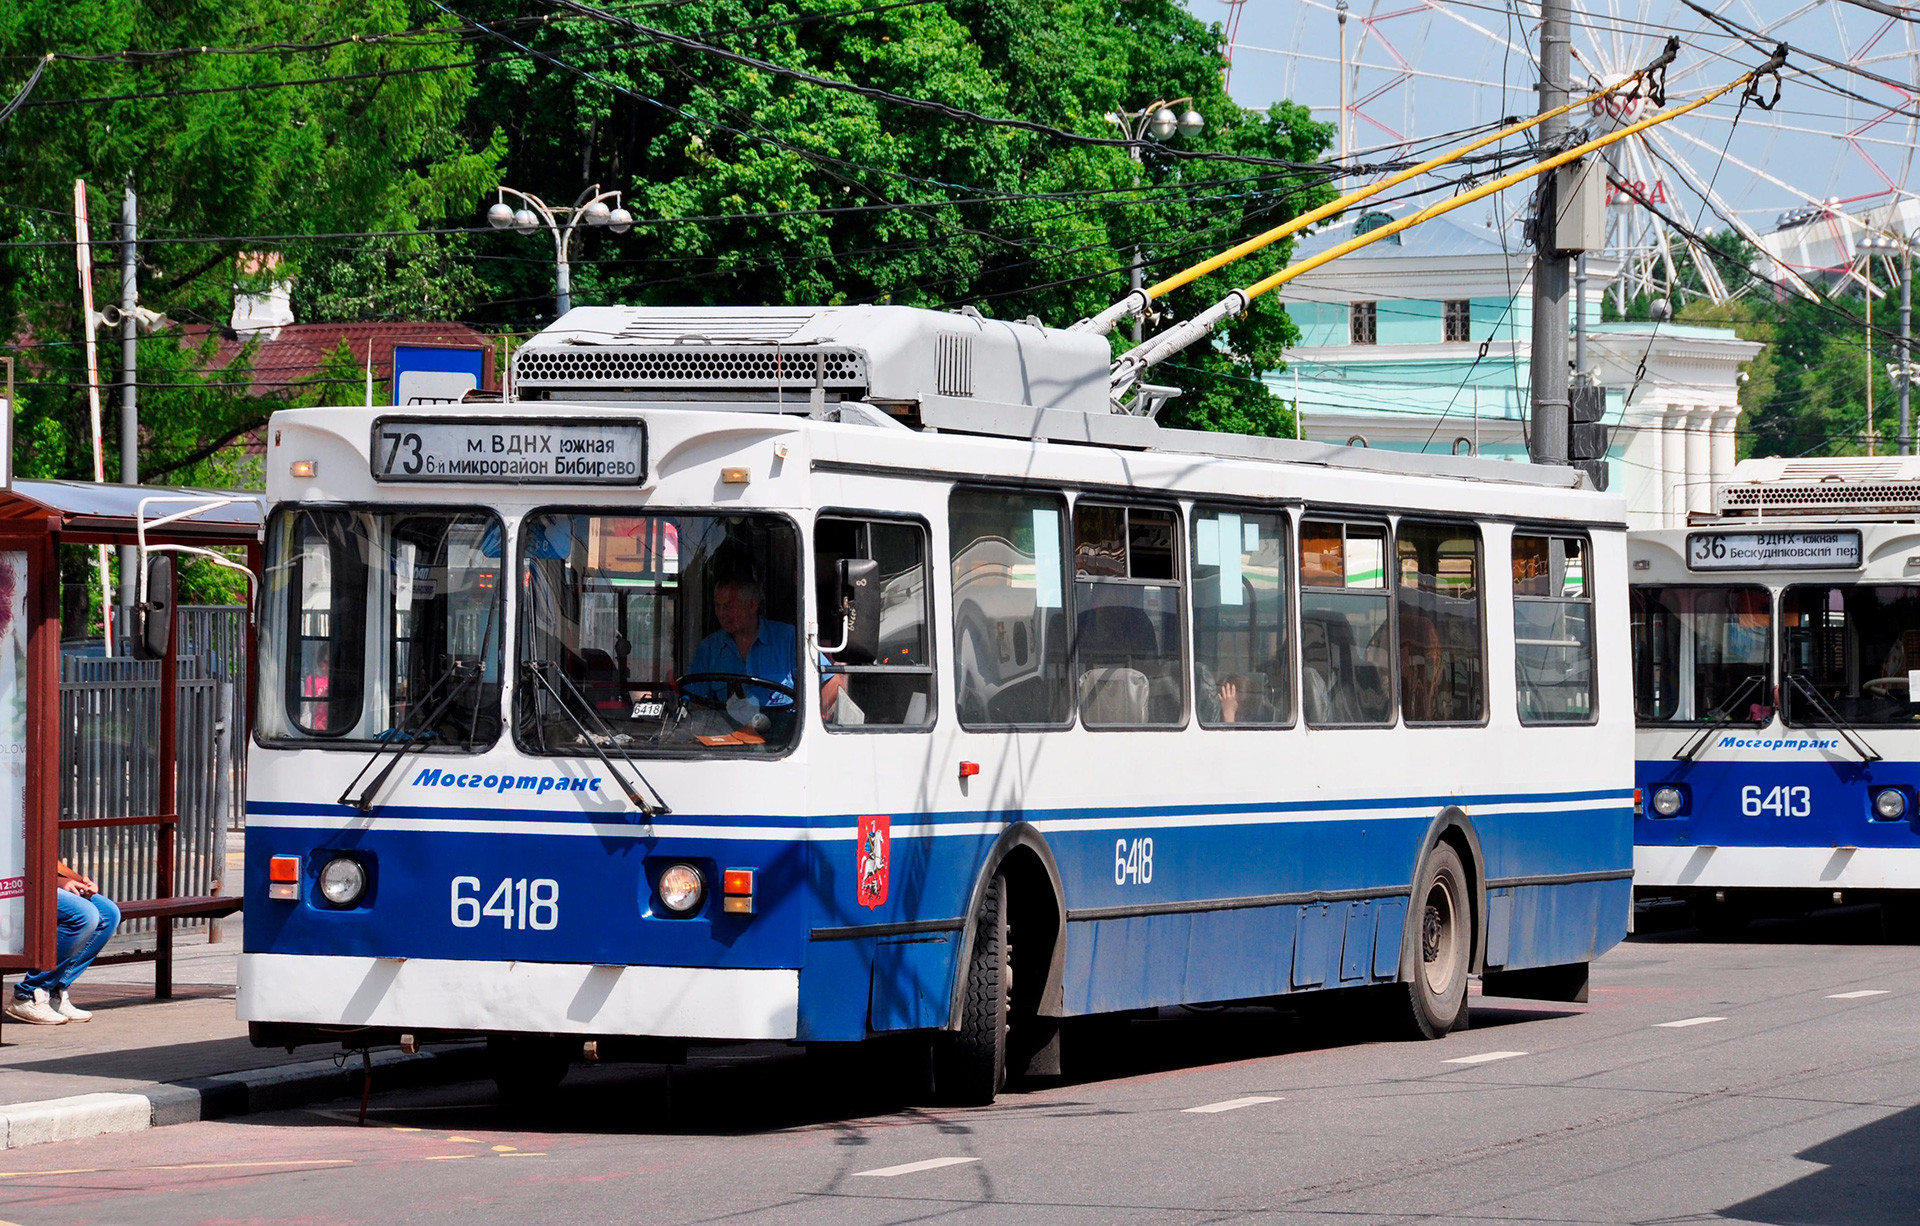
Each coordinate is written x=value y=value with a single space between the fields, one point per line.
x=1486 y=189
x=1357 y=196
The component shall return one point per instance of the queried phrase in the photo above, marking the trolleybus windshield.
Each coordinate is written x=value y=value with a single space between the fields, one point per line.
x=1855 y=645
x=1700 y=654
x=658 y=633
x=381 y=626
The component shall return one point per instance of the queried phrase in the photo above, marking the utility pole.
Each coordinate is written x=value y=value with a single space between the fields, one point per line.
x=1550 y=417
x=129 y=383
x=1341 y=139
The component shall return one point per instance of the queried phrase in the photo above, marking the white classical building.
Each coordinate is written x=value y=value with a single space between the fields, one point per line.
x=1421 y=343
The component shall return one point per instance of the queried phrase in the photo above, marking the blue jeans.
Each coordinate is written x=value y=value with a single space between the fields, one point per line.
x=84 y=925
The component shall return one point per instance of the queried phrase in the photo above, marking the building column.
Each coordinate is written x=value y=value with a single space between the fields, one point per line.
x=1722 y=451
x=1673 y=466
x=1699 y=494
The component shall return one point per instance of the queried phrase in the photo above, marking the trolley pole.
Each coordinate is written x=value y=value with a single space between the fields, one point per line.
x=1547 y=437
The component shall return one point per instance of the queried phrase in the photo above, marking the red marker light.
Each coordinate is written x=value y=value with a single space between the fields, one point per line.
x=283 y=878
x=969 y=769
x=737 y=881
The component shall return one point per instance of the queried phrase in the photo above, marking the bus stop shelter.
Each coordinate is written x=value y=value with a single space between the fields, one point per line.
x=37 y=518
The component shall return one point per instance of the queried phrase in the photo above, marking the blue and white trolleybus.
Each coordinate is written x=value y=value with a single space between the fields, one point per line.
x=824 y=674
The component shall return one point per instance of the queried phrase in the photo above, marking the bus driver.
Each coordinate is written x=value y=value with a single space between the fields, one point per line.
x=749 y=644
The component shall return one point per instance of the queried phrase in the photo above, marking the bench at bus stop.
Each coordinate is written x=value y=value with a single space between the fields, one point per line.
x=165 y=907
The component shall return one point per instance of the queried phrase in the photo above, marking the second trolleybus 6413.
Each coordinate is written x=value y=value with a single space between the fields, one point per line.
x=819 y=674
x=1776 y=651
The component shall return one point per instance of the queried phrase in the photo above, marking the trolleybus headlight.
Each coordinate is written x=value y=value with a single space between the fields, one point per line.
x=1890 y=803
x=1666 y=801
x=682 y=888
x=343 y=881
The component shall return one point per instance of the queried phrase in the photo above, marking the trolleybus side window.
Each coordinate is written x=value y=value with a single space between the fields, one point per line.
x=893 y=688
x=1242 y=651
x=1127 y=616
x=1443 y=676
x=1009 y=609
x=1552 y=629
x=1345 y=640
x=1852 y=651
x=658 y=634
x=424 y=584
x=1701 y=654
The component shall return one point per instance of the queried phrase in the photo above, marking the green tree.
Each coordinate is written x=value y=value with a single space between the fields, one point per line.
x=226 y=143
x=808 y=194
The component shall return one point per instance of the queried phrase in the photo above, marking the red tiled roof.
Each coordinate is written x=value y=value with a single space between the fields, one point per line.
x=298 y=350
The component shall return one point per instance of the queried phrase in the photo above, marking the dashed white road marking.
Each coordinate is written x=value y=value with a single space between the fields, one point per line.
x=909 y=1168
x=1232 y=1104
x=1688 y=1021
x=1484 y=1057
x=1857 y=995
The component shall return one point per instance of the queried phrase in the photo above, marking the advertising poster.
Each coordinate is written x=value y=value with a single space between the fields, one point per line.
x=13 y=752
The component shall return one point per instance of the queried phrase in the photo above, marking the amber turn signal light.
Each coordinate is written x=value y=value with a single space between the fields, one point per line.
x=737 y=881
x=283 y=877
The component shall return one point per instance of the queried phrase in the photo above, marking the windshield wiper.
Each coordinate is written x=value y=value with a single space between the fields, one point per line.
x=539 y=669
x=1854 y=740
x=1721 y=714
x=403 y=739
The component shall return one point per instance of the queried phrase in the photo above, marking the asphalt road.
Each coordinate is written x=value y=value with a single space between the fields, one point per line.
x=1771 y=1079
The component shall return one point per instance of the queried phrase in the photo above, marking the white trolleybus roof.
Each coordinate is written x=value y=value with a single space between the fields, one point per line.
x=904 y=372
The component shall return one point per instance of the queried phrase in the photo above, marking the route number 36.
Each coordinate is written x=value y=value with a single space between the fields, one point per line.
x=515 y=902
x=1132 y=861
x=1779 y=801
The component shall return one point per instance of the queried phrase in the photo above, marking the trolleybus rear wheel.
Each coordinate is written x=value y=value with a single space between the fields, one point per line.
x=970 y=1064
x=1436 y=999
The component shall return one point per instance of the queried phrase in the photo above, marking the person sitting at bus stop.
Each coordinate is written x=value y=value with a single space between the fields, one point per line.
x=749 y=644
x=86 y=918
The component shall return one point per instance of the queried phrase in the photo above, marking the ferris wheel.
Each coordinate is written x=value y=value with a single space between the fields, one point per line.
x=1840 y=144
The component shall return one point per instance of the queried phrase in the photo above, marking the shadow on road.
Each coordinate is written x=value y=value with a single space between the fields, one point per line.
x=1869 y=1178
x=1850 y=925
x=764 y=1087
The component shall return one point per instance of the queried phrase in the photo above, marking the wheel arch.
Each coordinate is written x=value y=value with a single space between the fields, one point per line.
x=1035 y=875
x=1453 y=827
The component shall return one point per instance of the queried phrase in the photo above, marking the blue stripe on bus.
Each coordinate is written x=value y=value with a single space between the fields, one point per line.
x=955 y=816
x=1756 y=803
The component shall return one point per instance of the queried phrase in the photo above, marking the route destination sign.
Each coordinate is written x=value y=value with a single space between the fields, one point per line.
x=514 y=452
x=1798 y=550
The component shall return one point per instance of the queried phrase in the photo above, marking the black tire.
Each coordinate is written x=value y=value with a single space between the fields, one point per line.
x=1434 y=1002
x=970 y=1064
x=526 y=1069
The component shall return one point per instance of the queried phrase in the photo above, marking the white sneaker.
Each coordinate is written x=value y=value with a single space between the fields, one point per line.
x=34 y=1009
x=64 y=1006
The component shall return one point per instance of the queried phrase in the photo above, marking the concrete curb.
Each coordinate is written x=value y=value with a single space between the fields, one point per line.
x=224 y=1097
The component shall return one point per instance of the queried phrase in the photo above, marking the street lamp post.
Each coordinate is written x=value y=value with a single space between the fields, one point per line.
x=1901 y=370
x=1156 y=120
x=533 y=212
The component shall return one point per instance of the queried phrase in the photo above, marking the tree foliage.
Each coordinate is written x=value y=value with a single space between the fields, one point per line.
x=751 y=187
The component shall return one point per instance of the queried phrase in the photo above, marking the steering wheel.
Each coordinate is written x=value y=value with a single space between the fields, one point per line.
x=741 y=679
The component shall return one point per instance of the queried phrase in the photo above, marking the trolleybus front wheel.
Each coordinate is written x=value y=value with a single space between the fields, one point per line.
x=1435 y=1001
x=970 y=1064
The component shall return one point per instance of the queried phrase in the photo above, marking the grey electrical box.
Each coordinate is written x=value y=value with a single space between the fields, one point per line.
x=1588 y=402
x=1580 y=206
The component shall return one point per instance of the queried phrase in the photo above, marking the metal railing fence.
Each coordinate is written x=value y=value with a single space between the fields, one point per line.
x=109 y=758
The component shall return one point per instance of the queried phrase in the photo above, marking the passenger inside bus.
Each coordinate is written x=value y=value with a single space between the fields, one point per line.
x=669 y=632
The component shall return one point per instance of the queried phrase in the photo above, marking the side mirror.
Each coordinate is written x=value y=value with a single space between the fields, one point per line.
x=859 y=611
x=153 y=620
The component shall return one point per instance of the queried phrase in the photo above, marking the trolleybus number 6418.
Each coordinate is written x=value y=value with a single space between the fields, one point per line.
x=1133 y=861
x=516 y=902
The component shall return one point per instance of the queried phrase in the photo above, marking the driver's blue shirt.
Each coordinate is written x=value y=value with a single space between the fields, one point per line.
x=772 y=656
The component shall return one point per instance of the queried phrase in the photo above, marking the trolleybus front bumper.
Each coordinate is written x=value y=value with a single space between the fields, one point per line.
x=439 y=994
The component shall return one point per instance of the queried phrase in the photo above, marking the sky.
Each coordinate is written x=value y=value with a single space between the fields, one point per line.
x=1428 y=67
